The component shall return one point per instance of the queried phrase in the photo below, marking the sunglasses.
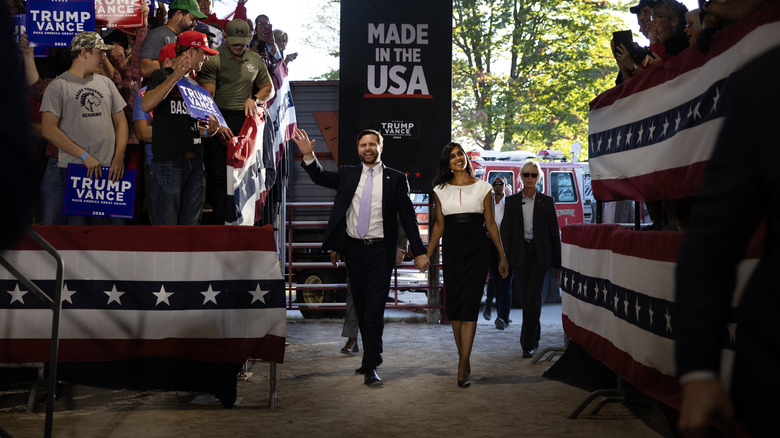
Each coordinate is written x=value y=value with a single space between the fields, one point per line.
x=532 y=175
x=498 y=183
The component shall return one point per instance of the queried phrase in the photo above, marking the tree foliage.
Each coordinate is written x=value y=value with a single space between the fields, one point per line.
x=524 y=71
x=324 y=33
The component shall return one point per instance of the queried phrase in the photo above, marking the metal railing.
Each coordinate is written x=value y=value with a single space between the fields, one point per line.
x=432 y=283
x=55 y=304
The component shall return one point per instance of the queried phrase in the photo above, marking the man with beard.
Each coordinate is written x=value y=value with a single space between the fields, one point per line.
x=371 y=200
x=230 y=77
x=182 y=16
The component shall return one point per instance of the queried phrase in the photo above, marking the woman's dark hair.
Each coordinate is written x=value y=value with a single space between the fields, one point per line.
x=444 y=174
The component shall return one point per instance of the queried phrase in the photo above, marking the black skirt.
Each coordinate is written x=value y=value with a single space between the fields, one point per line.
x=466 y=257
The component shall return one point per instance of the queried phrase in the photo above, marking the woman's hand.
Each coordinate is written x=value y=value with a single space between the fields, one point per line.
x=503 y=267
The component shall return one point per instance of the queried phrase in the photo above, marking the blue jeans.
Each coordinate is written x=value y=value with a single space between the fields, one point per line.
x=149 y=190
x=178 y=191
x=501 y=286
x=51 y=194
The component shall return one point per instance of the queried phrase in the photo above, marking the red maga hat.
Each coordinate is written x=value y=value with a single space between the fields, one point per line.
x=193 y=38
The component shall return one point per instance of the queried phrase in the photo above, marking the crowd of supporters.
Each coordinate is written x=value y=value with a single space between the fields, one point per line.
x=671 y=29
x=129 y=59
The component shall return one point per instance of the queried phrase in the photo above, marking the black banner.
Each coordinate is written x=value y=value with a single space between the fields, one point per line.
x=396 y=77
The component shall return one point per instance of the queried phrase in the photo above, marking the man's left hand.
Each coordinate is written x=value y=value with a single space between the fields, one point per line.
x=422 y=262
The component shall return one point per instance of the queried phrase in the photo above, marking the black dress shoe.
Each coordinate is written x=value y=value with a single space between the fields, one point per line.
x=361 y=370
x=372 y=378
x=528 y=353
x=464 y=383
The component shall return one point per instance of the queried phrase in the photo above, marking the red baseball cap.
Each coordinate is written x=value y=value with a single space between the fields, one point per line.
x=167 y=52
x=192 y=38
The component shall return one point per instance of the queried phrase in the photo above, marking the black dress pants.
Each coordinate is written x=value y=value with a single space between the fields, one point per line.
x=528 y=281
x=369 y=278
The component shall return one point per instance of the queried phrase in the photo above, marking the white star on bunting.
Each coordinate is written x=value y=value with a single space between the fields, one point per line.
x=668 y=320
x=66 y=294
x=210 y=295
x=113 y=295
x=258 y=294
x=17 y=294
x=162 y=296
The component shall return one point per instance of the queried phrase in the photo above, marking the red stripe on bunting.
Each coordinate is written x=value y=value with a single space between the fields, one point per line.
x=153 y=238
x=590 y=236
x=649 y=380
x=662 y=184
x=689 y=59
x=229 y=350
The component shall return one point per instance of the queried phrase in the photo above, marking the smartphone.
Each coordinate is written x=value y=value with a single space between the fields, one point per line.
x=266 y=30
x=624 y=37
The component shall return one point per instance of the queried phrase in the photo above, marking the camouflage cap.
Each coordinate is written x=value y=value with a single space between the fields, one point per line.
x=88 y=40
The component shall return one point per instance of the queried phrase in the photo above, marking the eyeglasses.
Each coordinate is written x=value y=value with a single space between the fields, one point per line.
x=532 y=175
x=498 y=183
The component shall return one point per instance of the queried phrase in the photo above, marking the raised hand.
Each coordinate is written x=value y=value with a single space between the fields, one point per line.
x=304 y=144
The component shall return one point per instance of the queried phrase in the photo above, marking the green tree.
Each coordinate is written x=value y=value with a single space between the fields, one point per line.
x=324 y=33
x=526 y=70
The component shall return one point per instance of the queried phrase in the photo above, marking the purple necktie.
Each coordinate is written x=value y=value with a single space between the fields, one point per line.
x=365 y=205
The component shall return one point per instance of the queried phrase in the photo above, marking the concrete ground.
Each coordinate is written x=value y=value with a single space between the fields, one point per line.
x=319 y=394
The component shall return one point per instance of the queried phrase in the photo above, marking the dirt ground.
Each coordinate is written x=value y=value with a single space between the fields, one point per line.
x=319 y=394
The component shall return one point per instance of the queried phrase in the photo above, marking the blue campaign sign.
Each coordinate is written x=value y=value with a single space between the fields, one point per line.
x=198 y=101
x=55 y=22
x=98 y=197
x=20 y=27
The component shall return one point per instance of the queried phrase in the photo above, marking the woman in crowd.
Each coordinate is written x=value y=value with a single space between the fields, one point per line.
x=464 y=205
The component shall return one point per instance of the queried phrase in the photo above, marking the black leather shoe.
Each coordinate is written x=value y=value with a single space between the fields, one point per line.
x=464 y=383
x=528 y=353
x=486 y=313
x=361 y=370
x=372 y=378
x=500 y=324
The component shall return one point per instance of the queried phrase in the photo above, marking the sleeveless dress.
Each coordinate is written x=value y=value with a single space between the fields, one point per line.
x=465 y=248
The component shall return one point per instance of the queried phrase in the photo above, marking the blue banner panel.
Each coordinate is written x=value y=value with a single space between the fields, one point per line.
x=198 y=101
x=98 y=197
x=55 y=22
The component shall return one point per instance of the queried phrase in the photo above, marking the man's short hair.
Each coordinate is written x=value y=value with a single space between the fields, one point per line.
x=370 y=131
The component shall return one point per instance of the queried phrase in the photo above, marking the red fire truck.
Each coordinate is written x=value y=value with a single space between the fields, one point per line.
x=561 y=180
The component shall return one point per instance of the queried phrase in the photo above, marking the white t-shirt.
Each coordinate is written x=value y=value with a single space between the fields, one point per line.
x=463 y=199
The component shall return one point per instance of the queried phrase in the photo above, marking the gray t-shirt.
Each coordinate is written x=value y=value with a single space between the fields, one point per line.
x=85 y=107
x=155 y=40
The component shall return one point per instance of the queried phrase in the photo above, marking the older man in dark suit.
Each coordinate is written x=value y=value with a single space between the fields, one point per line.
x=532 y=243
x=371 y=200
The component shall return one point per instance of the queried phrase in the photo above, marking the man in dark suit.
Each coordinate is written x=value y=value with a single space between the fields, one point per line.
x=371 y=200
x=532 y=243
x=733 y=203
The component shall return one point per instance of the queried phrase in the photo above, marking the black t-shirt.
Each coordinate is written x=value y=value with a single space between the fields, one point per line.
x=173 y=130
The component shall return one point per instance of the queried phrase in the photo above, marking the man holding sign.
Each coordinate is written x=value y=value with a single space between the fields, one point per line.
x=177 y=150
x=82 y=114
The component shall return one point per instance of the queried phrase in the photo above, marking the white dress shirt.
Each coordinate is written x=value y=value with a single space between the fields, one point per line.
x=528 y=216
x=375 y=221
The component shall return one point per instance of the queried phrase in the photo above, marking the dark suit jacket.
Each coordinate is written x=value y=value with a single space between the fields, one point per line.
x=547 y=237
x=732 y=202
x=396 y=206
